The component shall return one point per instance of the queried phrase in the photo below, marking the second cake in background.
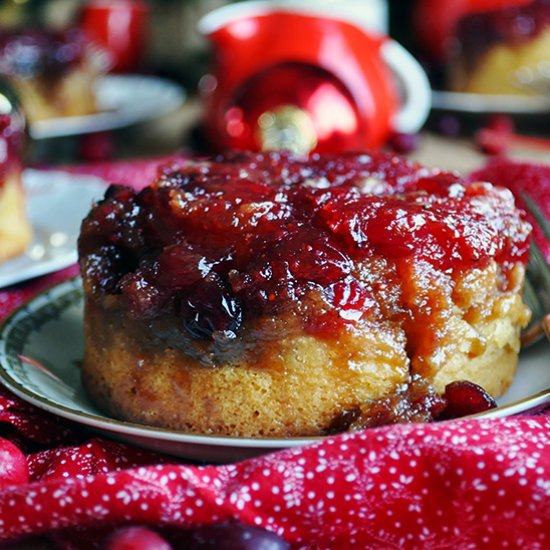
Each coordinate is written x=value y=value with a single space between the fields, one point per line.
x=53 y=73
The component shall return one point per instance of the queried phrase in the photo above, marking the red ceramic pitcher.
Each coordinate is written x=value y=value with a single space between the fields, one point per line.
x=287 y=77
x=119 y=27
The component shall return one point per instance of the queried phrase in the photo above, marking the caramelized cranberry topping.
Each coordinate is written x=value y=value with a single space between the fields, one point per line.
x=248 y=235
x=522 y=178
x=416 y=401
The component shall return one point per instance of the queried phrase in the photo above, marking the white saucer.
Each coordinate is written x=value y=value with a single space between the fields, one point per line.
x=461 y=102
x=122 y=100
x=56 y=204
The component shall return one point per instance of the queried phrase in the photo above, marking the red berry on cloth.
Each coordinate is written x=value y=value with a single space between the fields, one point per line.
x=233 y=535
x=404 y=143
x=136 y=538
x=13 y=465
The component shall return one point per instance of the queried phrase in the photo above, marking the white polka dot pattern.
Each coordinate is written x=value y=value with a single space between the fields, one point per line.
x=467 y=484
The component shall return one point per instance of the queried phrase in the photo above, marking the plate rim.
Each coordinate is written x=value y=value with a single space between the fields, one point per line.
x=467 y=102
x=115 y=426
x=53 y=264
x=104 y=121
x=130 y=428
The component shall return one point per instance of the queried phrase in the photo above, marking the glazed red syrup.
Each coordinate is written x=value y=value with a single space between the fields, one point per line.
x=250 y=234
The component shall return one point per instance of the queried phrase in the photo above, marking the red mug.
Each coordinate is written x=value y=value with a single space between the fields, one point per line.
x=119 y=27
x=285 y=77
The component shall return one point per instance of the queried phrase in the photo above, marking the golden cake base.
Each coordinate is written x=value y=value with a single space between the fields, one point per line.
x=297 y=385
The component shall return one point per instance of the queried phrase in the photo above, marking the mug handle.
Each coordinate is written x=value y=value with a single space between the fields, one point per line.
x=416 y=87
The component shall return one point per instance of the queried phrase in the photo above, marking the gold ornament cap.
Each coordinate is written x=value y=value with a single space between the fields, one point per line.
x=287 y=127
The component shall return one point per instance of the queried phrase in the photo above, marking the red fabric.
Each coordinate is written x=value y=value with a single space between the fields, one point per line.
x=135 y=173
x=462 y=484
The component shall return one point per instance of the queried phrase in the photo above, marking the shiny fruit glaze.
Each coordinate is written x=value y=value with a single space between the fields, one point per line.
x=522 y=177
x=416 y=401
x=248 y=235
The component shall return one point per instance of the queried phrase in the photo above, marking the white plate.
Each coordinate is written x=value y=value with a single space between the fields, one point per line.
x=48 y=331
x=490 y=103
x=56 y=204
x=122 y=100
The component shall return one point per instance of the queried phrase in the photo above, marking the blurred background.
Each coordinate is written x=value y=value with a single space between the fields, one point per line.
x=173 y=46
x=472 y=51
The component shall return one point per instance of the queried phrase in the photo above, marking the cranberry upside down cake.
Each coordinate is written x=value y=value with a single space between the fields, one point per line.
x=505 y=50
x=263 y=295
x=53 y=73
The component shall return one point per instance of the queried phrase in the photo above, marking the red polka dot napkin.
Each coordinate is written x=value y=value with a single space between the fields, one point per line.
x=462 y=484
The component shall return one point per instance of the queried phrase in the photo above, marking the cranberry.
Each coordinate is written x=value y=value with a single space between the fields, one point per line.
x=497 y=135
x=13 y=465
x=316 y=260
x=491 y=142
x=464 y=398
x=449 y=125
x=232 y=535
x=136 y=538
x=116 y=222
x=145 y=299
x=350 y=298
x=119 y=193
x=404 y=143
x=179 y=266
x=106 y=267
x=211 y=308
x=97 y=147
x=501 y=123
x=33 y=52
x=12 y=133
